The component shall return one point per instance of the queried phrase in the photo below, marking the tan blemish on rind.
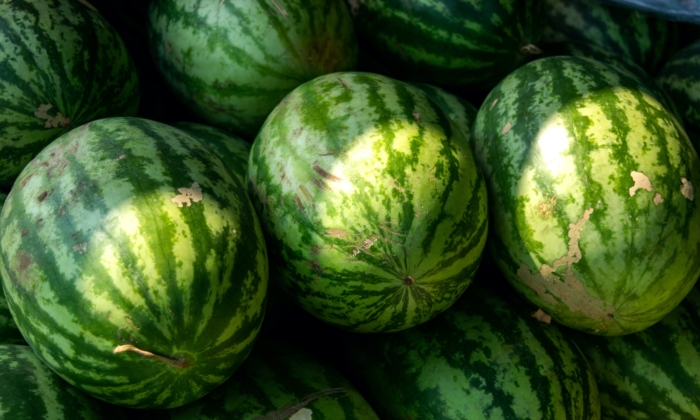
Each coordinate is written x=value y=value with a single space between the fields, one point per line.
x=51 y=122
x=530 y=49
x=507 y=128
x=80 y=247
x=658 y=199
x=290 y=410
x=566 y=286
x=416 y=116
x=495 y=101
x=193 y=193
x=542 y=316
x=641 y=182
x=687 y=189
x=176 y=363
x=355 y=6
x=547 y=207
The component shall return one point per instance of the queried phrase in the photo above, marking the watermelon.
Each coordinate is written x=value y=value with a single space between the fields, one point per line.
x=591 y=186
x=373 y=207
x=653 y=374
x=680 y=79
x=642 y=38
x=30 y=390
x=233 y=150
x=133 y=263
x=280 y=381
x=61 y=65
x=484 y=358
x=232 y=62
x=467 y=45
x=460 y=111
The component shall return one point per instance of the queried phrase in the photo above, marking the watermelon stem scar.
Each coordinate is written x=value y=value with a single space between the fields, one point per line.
x=180 y=363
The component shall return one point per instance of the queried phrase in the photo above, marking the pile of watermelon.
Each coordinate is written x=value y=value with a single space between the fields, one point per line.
x=348 y=209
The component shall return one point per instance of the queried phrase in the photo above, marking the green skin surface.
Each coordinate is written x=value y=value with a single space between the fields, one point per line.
x=469 y=45
x=9 y=334
x=62 y=54
x=233 y=150
x=484 y=358
x=232 y=62
x=653 y=374
x=460 y=111
x=373 y=208
x=642 y=38
x=100 y=250
x=680 y=78
x=560 y=141
x=30 y=390
x=274 y=377
x=618 y=62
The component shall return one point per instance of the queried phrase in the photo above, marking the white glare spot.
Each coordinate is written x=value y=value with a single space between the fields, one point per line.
x=553 y=141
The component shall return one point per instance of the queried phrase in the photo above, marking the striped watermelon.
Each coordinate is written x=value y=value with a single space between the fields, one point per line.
x=653 y=374
x=591 y=186
x=233 y=61
x=372 y=204
x=642 y=38
x=680 y=78
x=61 y=65
x=233 y=150
x=461 y=44
x=484 y=358
x=279 y=381
x=30 y=390
x=133 y=263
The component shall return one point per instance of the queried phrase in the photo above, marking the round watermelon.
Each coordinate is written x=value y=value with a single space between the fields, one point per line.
x=485 y=358
x=133 y=263
x=61 y=65
x=590 y=184
x=231 y=62
x=374 y=209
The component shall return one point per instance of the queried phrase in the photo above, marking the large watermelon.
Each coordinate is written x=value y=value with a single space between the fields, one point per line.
x=61 y=65
x=9 y=334
x=469 y=45
x=680 y=78
x=30 y=390
x=133 y=263
x=653 y=374
x=233 y=61
x=279 y=381
x=590 y=184
x=371 y=201
x=459 y=110
x=485 y=358
x=642 y=38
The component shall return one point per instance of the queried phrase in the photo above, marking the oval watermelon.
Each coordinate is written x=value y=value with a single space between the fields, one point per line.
x=9 y=334
x=232 y=62
x=279 y=381
x=61 y=65
x=484 y=358
x=591 y=186
x=134 y=263
x=468 y=45
x=459 y=110
x=371 y=202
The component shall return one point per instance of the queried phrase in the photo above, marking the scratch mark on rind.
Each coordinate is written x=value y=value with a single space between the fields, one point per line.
x=567 y=287
x=325 y=174
x=495 y=101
